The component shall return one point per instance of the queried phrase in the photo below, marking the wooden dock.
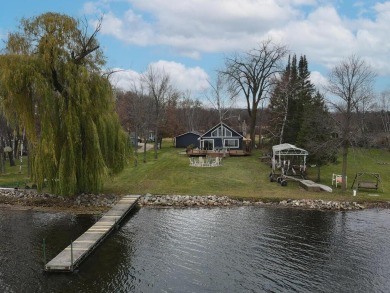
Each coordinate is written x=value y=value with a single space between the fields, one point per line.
x=71 y=257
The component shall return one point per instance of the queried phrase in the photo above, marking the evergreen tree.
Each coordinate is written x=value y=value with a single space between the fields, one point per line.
x=292 y=125
x=51 y=78
x=315 y=133
x=289 y=100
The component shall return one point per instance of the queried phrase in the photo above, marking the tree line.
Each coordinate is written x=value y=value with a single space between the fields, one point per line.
x=296 y=111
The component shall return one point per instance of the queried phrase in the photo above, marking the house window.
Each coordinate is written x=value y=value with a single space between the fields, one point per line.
x=216 y=132
x=231 y=143
x=228 y=132
x=208 y=144
x=221 y=131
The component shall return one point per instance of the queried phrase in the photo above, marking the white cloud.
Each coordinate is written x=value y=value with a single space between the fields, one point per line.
x=304 y=2
x=90 y=8
x=197 y=25
x=321 y=36
x=125 y=79
x=318 y=29
x=183 y=78
x=318 y=79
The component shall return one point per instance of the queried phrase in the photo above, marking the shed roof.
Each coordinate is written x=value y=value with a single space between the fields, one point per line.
x=190 y=132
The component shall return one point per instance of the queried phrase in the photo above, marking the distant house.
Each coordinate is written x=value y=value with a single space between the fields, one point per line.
x=150 y=137
x=221 y=136
x=134 y=139
x=186 y=139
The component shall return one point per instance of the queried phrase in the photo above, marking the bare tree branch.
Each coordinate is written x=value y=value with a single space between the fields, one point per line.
x=252 y=73
x=351 y=81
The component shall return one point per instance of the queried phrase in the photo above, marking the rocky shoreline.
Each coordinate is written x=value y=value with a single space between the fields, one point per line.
x=89 y=203
x=224 y=201
x=82 y=204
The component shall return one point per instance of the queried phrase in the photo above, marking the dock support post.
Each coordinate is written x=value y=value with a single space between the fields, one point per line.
x=71 y=255
x=44 y=252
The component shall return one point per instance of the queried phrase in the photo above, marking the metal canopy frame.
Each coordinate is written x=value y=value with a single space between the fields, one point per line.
x=286 y=149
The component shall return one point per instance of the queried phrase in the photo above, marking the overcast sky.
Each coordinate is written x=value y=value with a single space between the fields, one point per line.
x=191 y=38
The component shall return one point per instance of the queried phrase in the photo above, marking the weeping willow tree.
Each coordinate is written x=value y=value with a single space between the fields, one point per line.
x=51 y=79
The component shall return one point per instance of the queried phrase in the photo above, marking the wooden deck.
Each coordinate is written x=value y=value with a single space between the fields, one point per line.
x=204 y=153
x=213 y=154
x=71 y=257
x=238 y=153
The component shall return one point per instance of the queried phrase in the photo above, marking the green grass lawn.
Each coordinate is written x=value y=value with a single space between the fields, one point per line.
x=243 y=177
x=239 y=177
x=15 y=176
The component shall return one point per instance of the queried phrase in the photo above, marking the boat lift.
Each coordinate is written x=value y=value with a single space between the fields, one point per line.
x=287 y=161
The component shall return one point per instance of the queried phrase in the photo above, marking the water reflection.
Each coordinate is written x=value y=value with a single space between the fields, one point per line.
x=242 y=249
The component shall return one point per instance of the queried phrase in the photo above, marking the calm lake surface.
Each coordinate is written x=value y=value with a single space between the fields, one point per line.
x=240 y=249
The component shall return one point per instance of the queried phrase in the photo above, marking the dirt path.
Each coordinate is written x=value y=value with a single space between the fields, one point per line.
x=149 y=146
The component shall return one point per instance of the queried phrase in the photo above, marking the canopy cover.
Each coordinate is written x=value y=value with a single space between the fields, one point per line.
x=288 y=149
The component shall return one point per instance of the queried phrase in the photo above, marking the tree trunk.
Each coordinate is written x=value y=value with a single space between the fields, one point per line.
x=253 y=126
x=155 y=142
x=2 y=163
x=145 y=149
x=11 y=159
x=136 y=149
x=318 y=173
x=344 y=166
x=284 y=121
x=11 y=143
x=29 y=150
x=261 y=126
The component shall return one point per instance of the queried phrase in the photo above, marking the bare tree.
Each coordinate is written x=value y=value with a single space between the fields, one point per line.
x=384 y=111
x=351 y=81
x=282 y=94
x=252 y=74
x=189 y=111
x=158 y=84
x=221 y=96
x=133 y=108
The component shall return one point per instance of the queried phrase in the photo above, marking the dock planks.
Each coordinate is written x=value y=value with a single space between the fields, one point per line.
x=66 y=261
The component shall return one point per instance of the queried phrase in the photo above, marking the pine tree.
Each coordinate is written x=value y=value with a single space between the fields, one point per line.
x=315 y=133
x=292 y=125
x=289 y=100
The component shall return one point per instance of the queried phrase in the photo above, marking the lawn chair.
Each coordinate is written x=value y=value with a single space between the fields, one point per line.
x=338 y=179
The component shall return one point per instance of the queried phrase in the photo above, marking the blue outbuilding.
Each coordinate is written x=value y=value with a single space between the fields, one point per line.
x=186 y=139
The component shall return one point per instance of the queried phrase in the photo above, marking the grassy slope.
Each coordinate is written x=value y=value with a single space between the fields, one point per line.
x=12 y=178
x=241 y=177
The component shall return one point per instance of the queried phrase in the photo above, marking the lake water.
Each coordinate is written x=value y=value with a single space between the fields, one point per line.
x=240 y=249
